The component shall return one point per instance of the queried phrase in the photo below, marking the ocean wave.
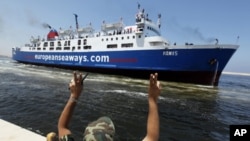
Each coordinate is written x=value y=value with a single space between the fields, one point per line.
x=236 y=73
x=11 y=83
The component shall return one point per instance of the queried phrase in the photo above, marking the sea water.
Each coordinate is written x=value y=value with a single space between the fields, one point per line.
x=34 y=96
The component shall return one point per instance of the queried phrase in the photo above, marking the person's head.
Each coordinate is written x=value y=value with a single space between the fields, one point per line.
x=51 y=136
x=102 y=129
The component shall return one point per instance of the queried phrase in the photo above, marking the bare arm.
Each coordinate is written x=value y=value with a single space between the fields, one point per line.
x=66 y=115
x=153 y=115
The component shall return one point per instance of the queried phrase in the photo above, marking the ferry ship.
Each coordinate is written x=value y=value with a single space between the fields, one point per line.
x=134 y=51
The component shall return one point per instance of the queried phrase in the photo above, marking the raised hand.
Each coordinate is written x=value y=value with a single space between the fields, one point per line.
x=154 y=86
x=76 y=85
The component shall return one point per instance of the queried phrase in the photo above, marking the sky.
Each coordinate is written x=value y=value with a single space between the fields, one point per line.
x=193 y=21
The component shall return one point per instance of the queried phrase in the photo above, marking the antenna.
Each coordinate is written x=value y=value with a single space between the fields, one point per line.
x=237 y=40
x=159 y=20
x=138 y=5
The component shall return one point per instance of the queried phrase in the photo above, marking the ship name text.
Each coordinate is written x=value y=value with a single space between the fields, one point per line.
x=170 y=53
x=74 y=58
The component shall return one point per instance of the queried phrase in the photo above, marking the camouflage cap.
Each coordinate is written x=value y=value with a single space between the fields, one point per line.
x=102 y=129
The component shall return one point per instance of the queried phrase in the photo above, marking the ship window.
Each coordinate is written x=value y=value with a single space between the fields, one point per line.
x=59 y=43
x=127 y=37
x=58 y=48
x=39 y=48
x=68 y=43
x=51 y=48
x=112 y=46
x=116 y=38
x=79 y=42
x=141 y=29
x=127 y=45
x=87 y=47
x=66 y=48
x=51 y=44
x=111 y=39
x=45 y=44
x=122 y=38
x=149 y=28
x=102 y=39
x=133 y=37
x=107 y=39
x=139 y=36
x=78 y=47
x=84 y=41
x=65 y=43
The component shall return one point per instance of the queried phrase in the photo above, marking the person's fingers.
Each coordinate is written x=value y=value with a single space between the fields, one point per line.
x=75 y=77
x=159 y=85
x=151 y=79
x=156 y=77
x=72 y=80
x=80 y=78
x=69 y=86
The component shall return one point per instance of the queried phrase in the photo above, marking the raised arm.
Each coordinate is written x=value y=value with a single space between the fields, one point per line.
x=153 y=115
x=76 y=88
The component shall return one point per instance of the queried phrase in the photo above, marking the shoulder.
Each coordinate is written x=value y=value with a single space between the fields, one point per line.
x=67 y=138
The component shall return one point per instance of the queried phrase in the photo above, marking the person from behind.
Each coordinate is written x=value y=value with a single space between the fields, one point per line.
x=103 y=128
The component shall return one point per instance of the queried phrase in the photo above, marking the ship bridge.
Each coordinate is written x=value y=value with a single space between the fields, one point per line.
x=147 y=26
x=151 y=29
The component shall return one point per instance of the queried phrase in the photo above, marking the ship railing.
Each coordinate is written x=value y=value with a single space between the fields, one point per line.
x=27 y=45
x=16 y=48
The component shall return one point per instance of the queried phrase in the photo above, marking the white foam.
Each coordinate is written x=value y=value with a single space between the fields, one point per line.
x=236 y=73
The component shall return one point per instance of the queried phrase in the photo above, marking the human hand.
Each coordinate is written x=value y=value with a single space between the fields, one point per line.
x=76 y=85
x=154 y=87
